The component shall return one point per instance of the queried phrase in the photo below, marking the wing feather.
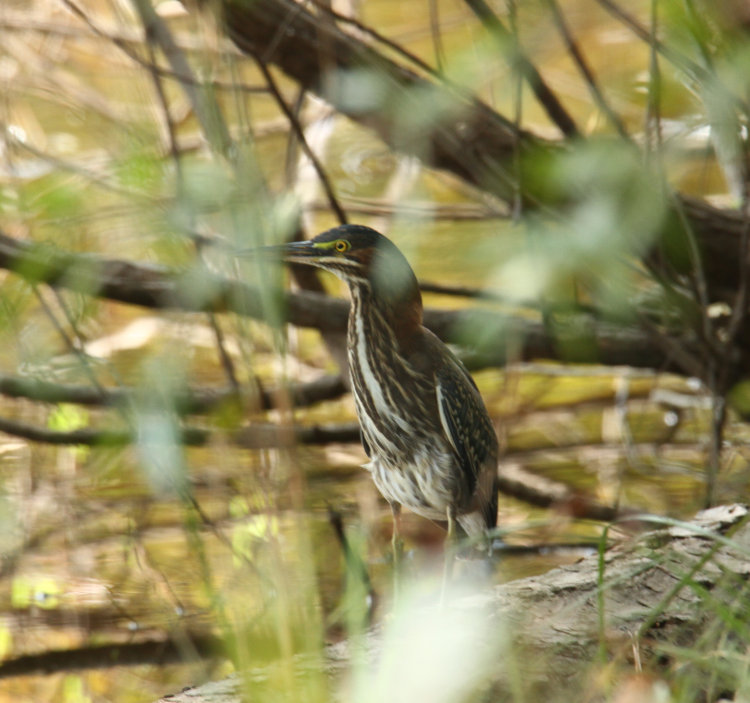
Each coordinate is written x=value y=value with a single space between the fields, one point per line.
x=470 y=433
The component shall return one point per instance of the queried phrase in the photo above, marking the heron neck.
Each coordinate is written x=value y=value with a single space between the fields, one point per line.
x=400 y=310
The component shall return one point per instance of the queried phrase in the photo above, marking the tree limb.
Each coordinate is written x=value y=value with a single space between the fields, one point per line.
x=189 y=401
x=468 y=139
x=159 y=287
x=649 y=599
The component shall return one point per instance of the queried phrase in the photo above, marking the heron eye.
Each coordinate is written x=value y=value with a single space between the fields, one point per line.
x=341 y=246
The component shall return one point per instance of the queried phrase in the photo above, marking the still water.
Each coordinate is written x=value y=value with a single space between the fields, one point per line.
x=138 y=545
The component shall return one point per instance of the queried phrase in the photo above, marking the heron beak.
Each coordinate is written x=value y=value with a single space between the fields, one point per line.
x=293 y=252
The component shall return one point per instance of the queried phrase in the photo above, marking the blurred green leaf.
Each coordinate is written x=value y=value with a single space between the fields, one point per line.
x=67 y=417
x=30 y=591
x=74 y=690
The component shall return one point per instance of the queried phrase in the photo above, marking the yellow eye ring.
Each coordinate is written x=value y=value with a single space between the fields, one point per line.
x=341 y=246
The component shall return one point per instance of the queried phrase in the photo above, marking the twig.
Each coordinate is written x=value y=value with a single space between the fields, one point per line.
x=653 y=108
x=105 y=656
x=159 y=287
x=509 y=44
x=300 y=133
x=74 y=348
x=381 y=39
x=226 y=360
x=693 y=70
x=188 y=401
x=586 y=72
x=174 y=152
x=256 y=436
x=207 y=111
x=354 y=563
x=375 y=207
x=513 y=481
x=517 y=204
x=67 y=166
x=437 y=44
x=174 y=149
x=123 y=42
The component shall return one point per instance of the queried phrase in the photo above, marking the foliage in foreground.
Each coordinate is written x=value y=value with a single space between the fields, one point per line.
x=141 y=149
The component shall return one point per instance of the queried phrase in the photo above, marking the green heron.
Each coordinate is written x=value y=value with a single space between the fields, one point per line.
x=424 y=427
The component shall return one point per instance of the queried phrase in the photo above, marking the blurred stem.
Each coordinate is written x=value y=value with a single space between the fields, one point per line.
x=682 y=62
x=517 y=121
x=652 y=128
x=511 y=48
x=300 y=133
x=73 y=347
x=437 y=43
x=718 y=421
x=359 y=593
x=194 y=515
x=174 y=152
x=291 y=160
x=124 y=42
x=226 y=360
x=585 y=70
x=189 y=400
x=696 y=25
x=206 y=109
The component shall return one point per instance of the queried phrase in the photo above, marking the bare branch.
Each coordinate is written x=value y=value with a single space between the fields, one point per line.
x=510 y=46
x=188 y=401
x=255 y=436
x=154 y=286
x=476 y=144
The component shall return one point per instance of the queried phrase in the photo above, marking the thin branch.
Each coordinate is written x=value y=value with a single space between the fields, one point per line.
x=256 y=436
x=226 y=360
x=74 y=346
x=159 y=287
x=513 y=480
x=652 y=128
x=586 y=72
x=510 y=46
x=437 y=43
x=124 y=42
x=174 y=149
x=69 y=167
x=206 y=110
x=293 y=39
x=518 y=199
x=105 y=656
x=431 y=212
x=368 y=31
x=693 y=70
x=188 y=401
x=300 y=133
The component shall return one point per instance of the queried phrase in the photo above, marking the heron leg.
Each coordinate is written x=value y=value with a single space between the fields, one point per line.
x=450 y=543
x=397 y=545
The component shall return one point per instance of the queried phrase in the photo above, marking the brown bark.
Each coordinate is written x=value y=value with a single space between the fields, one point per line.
x=465 y=137
x=468 y=139
x=189 y=401
x=651 y=597
x=158 y=287
x=154 y=652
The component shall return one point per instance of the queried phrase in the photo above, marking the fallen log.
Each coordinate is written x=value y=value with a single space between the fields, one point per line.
x=640 y=606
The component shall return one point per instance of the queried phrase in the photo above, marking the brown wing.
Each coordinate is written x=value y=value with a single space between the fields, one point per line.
x=469 y=430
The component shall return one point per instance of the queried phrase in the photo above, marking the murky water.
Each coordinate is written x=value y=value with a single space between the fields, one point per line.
x=106 y=546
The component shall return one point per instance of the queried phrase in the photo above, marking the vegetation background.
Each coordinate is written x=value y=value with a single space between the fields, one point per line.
x=567 y=177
